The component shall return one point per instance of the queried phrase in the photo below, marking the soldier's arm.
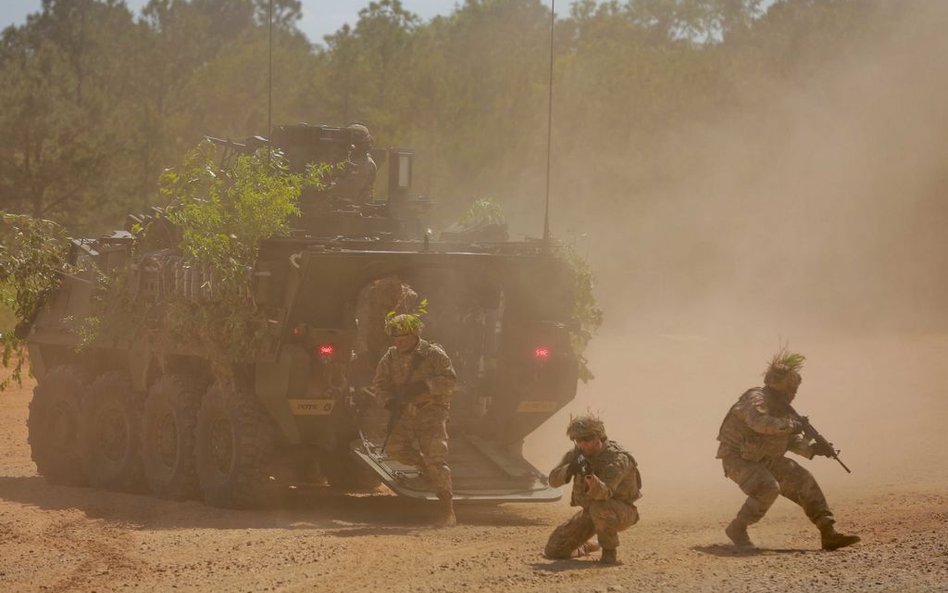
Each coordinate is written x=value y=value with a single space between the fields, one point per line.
x=755 y=414
x=558 y=475
x=801 y=446
x=442 y=380
x=604 y=484
x=382 y=383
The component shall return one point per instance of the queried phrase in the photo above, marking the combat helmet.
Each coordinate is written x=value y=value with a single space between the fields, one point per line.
x=359 y=135
x=585 y=426
x=404 y=323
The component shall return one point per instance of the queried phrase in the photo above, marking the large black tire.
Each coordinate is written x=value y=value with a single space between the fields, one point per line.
x=54 y=426
x=234 y=448
x=169 y=425
x=110 y=435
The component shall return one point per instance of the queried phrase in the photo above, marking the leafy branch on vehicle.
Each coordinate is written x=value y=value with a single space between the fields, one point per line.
x=33 y=259
x=215 y=221
x=222 y=215
x=585 y=308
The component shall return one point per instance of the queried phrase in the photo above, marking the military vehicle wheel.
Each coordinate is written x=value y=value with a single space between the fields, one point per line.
x=235 y=444
x=168 y=436
x=110 y=441
x=53 y=426
x=343 y=470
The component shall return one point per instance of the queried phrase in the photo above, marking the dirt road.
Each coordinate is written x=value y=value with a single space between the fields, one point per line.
x=58 y=539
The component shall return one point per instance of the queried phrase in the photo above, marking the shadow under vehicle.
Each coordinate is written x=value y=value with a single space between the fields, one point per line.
x=135 y=413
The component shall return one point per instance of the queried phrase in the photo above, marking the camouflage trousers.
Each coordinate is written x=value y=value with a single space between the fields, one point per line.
x=420 y=439
x=763 y=481
x=603 y=518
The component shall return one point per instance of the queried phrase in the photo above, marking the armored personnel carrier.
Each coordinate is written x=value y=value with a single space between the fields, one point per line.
x=134 y=413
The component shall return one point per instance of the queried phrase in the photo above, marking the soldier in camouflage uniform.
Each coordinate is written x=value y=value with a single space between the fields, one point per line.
x=357 y=181
x=756 y=433
x=417 y=376
x=606 y=484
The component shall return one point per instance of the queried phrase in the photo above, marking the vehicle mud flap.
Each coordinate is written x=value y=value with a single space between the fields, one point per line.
x=482 y=471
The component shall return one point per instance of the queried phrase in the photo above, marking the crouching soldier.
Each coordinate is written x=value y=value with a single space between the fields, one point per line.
x=606 y=484
x=755 y=436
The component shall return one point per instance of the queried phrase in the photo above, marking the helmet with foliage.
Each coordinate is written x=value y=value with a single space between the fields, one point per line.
x=783 y=372
x=586 y=426
x=404 y=323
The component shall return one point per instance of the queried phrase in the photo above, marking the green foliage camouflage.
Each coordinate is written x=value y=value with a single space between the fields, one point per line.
x=585 y=310
x=483 y=211
x=787 y=361
x=32 y=261
x=406 y=323
x=223 y=214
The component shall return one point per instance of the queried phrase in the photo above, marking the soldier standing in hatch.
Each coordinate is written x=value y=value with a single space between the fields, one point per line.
x=606 y=484
x=756 y=433
x=358 y=180
x=416 y=377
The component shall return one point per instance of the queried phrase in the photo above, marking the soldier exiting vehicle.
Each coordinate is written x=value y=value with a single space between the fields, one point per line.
x=606 y=483
x=756 y=433
x=415 y=380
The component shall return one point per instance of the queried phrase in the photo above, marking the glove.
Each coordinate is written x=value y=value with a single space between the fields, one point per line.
x=414 y=389
x=824 y=449
x=575 y=466
x=795 y=427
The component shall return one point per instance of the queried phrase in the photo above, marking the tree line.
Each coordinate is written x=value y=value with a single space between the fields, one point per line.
x=97 y=101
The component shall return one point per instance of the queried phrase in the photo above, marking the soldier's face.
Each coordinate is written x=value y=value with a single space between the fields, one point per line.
x=589 y=445
x=405 y=342
x=789 y=386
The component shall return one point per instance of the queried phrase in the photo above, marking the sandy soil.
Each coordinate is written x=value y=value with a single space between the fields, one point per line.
x=889 y=412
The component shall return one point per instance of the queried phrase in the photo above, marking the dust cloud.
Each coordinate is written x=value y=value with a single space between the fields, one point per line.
x=816 y=220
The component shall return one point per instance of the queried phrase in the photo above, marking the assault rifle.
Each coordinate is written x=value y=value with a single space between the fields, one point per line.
x=580 y=466
x=811 y=433
x=396 y=406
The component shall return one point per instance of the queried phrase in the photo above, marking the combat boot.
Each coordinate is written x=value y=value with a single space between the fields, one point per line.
x=586 y=549
x=737 y=532
x=608 y=556
x=446 y=516
x=830 y=539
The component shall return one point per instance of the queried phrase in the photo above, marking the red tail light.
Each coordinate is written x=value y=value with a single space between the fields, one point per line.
x=541 y=353
x=327 y=350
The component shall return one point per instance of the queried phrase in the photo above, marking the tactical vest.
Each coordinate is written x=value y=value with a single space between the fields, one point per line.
x=737 y=438
x=630 y=487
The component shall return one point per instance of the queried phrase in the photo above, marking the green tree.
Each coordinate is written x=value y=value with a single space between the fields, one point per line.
x=63 y=88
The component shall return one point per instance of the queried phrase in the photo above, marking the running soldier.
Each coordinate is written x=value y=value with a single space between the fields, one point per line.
x=416 y=379
x=756 y=433
x=606 y=484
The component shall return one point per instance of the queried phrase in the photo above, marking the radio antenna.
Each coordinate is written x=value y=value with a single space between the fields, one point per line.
x=269 y=82
x=549 y=131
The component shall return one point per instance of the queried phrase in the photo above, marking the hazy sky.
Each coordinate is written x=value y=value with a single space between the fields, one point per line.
x=320 y=17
